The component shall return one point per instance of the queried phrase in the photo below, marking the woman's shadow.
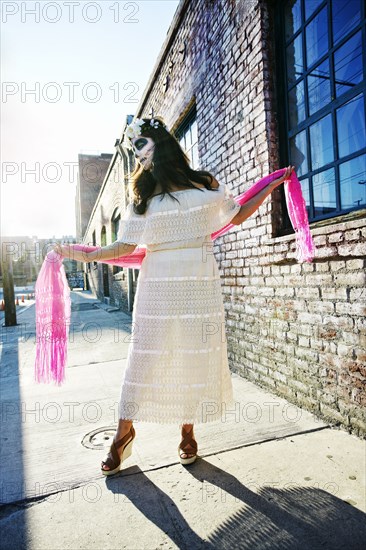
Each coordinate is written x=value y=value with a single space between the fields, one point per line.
x=295 y=518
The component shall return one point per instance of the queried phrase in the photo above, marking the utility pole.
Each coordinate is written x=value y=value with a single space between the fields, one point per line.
x=8 y=288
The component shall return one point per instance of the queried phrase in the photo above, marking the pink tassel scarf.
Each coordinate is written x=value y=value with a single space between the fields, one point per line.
x=53 y=303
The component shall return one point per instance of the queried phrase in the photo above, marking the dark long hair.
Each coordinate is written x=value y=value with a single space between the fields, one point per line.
x=170 y=168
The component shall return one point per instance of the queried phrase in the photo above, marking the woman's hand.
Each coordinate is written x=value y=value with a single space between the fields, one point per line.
x=275 y=183
x=62 y=249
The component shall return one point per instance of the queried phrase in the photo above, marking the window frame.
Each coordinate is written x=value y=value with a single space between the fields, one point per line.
x=285 y=134
x=185 y=127
x=115 y=219
x=94 y=242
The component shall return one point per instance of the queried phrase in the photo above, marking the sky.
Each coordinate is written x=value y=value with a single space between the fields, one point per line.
x=89 y=69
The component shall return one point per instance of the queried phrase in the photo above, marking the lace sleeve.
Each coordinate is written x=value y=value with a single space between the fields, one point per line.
x=175 y=223
x=126 y=232
x=229 y=208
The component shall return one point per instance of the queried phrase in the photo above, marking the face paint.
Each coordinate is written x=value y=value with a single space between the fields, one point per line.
x=143 y=148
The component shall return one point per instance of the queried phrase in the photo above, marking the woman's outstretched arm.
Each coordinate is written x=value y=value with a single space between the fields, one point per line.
x=254 y=203
x=110 y=252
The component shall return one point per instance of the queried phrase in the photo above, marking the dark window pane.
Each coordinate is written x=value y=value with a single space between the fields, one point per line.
x=295 y=66
x=310 y=7
x=324 y=192
x=348 y=64
x=298 y=153
x=115 y=228
x=351 y=126
x=317 y=37
x=321 y=142
x=296 y=105
x=345 y=16
x=103 y=237
x=292 y=17
x=319 y=87
x=352 y=175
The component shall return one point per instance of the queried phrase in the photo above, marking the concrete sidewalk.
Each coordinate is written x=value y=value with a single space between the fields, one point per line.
x=269 y=474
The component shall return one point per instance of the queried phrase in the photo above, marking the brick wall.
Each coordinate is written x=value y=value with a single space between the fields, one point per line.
x=297 y=329
x=92 y=170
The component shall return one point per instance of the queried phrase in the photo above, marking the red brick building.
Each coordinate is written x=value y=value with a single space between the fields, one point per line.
x=91 y=174
x=247 y=87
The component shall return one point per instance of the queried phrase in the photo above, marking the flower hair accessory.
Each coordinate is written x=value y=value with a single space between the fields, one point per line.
x=138 y=126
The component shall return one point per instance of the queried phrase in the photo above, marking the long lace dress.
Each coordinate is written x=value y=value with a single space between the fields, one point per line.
x=177 y=366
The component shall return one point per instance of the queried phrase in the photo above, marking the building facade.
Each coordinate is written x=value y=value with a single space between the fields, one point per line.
x=112 y=284
x=27 y=255
x=91 y=173
x=249 y=86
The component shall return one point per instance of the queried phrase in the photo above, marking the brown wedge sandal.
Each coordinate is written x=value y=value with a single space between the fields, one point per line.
x=188 y=440
x=114 y=463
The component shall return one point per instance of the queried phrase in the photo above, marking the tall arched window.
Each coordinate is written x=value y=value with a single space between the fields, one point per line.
x=188 y=137
x=103 y=236
x=103 y=242
x=116 y=218
x=94 y=241
x=115 y=222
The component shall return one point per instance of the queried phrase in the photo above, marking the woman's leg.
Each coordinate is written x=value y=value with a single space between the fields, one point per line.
x=186 y=453
x=123 y=428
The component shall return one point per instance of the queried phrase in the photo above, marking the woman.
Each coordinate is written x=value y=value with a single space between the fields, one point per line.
x=177 y=367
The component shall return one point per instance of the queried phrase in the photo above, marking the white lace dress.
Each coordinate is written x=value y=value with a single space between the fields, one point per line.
x=177 y=366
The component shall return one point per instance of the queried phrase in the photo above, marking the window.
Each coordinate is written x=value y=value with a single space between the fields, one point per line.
x=322 y=69
x=103 y=236
x=116 y=218
x=187 y=136
x=95 y=264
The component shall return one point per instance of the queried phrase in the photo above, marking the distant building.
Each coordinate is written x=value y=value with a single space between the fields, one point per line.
x=27 y=255
x=111 y=284
x=92 y=170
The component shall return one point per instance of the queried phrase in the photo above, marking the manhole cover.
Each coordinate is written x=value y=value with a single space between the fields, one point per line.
x=82 y=307
x=99 y=439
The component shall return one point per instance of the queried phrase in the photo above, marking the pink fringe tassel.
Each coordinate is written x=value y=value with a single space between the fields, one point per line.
x=53 y=312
